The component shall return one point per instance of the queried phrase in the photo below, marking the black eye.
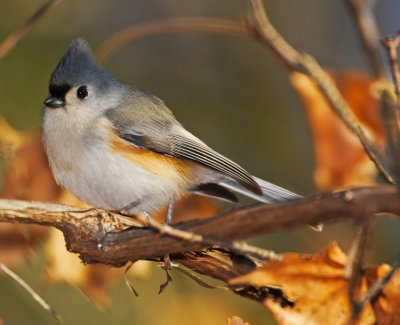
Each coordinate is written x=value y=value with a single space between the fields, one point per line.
x=82 y=92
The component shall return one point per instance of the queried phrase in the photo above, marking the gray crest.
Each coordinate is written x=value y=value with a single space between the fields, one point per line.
x=79 y=67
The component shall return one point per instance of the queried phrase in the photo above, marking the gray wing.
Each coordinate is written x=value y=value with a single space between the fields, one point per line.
x=193 y=149
x=147 y=123
x=183 y=147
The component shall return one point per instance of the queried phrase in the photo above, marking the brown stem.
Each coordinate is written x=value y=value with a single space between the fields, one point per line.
x=168 y=26
x=19 y=33
x=391 y=118
x=392 y=45
x=362 y=11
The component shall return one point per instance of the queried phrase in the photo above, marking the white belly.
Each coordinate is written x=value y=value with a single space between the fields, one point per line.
x=110 y=181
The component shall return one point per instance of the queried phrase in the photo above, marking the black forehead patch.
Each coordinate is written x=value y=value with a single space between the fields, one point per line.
x=59 y=91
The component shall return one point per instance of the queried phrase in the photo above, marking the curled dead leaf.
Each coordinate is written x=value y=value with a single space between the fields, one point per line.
x=341 y=160
x=320 y=290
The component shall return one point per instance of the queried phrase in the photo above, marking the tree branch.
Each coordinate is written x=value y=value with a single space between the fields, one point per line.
x=32 y=292
x=112 y=238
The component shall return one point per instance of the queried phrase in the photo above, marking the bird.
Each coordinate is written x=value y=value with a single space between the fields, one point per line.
x=118 y=147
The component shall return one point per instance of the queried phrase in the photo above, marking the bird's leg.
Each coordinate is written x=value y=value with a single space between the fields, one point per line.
x=168 y=220
x=167 y=259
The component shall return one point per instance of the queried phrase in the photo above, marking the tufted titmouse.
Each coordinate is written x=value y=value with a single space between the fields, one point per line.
x=119 y=147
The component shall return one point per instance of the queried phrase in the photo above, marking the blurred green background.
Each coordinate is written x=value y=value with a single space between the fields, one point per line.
x=231 y=92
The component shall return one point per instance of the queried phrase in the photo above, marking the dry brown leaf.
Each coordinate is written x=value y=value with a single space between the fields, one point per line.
x=29 y=178
x=321 y=292
x=235 y=320
x=11 y=139
x=341 y=160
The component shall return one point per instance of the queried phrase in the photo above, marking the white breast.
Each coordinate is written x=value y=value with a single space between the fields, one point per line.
x=82 y=162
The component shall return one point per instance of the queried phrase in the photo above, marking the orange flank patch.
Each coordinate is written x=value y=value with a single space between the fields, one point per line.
x=174 y=169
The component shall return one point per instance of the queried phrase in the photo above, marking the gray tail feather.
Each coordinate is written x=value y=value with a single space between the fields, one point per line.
x=272 y=193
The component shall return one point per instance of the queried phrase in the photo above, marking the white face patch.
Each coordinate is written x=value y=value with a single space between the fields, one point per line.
x=73 y=102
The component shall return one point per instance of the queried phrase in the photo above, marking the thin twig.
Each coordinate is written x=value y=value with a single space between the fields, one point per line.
x=357 y=258
x=32 y=292
x=362 y=11
x=391 y=118
x=168 y=280
x=168 y=26
x=374 y=291
x=199 y=280
x=391 y=44
x=128 y=282
x=390 y=110
x=352 y=254
x=19 y=33
x=304 y=63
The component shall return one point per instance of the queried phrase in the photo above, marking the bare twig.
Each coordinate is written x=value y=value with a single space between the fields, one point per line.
x=168 y=279
x=360 y=247
x=168 y=26
x=357 y=257
x=32 y=292
x=128 y=282
x=362 y=11
x=391 y=118
x=352 y=254
x=374 y=291
x=198 y=280
x=391 y=110
x=19 y=33
x=306 y=64
x=392 y=45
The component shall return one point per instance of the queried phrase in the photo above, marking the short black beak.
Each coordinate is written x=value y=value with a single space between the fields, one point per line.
x=54 y=102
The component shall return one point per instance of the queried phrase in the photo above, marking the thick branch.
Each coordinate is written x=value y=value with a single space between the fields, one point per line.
x=102 y=236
